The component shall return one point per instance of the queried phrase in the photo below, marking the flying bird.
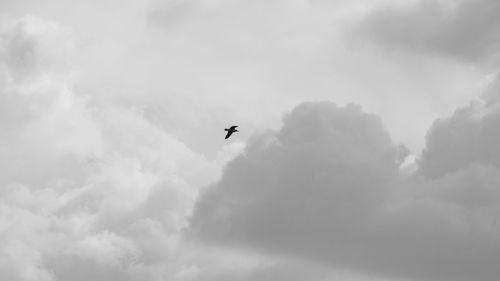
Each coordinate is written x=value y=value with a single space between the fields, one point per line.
x=230 y=131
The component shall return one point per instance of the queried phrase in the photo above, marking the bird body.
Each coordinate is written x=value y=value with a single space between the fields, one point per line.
x=230 y=131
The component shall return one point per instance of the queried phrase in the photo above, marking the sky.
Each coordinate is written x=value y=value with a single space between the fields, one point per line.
x=369 y=143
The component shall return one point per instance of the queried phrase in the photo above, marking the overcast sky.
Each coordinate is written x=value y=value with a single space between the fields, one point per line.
x=369 y=143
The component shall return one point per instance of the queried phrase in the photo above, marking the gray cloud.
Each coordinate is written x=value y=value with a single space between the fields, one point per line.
x=326 y=187
x=324 y=174
x=464 y=29
x=491 y=93
x=467 y=137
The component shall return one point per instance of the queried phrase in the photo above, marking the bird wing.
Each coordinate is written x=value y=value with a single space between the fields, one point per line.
x=233 y=127
x=229 y=133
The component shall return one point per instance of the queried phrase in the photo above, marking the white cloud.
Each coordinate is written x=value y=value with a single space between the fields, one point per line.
x=88 y=191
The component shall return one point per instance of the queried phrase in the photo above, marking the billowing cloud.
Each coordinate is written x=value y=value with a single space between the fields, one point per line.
x=327 y=187
x=86 y=191
x=95 y=190
x=461 y=29
x=469 y=136
x=314 y=183
x=105 y=121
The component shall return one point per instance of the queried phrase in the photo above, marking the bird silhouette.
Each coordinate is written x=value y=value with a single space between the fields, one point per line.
x=230 y=131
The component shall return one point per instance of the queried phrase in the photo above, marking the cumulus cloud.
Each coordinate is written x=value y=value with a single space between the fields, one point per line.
x=327 y=187
x=86 y=191
x=96 y=190
x=97 y=187
x=324 y=174
x=469 y=136
x=464 y=29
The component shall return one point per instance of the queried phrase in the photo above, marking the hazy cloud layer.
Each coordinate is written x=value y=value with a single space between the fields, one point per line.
x=464 y=29
x=327 y=187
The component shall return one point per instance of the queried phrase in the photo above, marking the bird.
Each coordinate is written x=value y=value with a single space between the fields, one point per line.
x=230 y=131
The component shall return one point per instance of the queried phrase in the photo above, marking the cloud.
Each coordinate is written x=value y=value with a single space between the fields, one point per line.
x=324 y=174
x=97 y=190
x=87 y=191
x=467 y=137
x=32 y=46
x=95 y=185
x=296 y=51
x=467 y=30
x=327 y=188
